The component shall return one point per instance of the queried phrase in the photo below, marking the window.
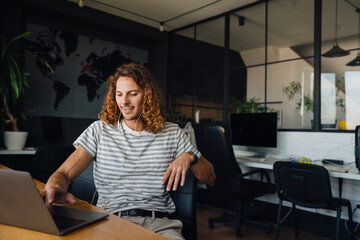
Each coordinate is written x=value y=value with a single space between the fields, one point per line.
x=272 y=60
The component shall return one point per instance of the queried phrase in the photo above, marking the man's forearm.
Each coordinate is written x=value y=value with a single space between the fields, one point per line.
x=204 y=171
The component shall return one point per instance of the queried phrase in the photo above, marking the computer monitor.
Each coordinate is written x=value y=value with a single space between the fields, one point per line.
x=357 y=147
x=254 y=129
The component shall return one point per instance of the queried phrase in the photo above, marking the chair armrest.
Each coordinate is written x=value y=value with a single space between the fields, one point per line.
x=261 y=171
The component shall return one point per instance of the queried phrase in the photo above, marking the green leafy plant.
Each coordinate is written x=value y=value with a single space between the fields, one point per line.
x=340 y=88
x=175 y=116
x=295 y=88
x=13 y=76
x=251 y=105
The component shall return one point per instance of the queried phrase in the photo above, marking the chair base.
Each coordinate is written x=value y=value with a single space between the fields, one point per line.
x=226 y=217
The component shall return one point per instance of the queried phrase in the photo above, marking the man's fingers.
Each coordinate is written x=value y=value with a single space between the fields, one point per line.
x=70 y=198
x=48 y=205
x=166 y=176
x=50 y=195
x=171 y=180
x=177 y=178
x=183 y=176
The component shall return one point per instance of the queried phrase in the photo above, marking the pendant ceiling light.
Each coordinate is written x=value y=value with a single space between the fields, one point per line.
x=336 y=51
x=356 y=61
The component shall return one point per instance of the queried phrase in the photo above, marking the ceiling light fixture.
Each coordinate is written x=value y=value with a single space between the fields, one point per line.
x=336 y=51
x=161 y=28
x=241 y=20
x=81 y=3
x=356 y=61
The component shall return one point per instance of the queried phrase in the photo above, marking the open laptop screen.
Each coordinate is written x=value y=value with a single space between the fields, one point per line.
x=21 y=205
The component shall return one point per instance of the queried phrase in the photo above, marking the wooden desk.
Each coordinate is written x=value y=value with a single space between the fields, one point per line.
x=113 y=227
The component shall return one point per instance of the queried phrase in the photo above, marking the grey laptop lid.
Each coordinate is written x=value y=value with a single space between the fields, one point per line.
x=21 y=205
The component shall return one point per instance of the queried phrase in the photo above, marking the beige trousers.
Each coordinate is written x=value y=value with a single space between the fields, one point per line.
x=169 y=228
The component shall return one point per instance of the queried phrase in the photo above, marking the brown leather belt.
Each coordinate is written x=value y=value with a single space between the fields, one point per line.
x=142 y=213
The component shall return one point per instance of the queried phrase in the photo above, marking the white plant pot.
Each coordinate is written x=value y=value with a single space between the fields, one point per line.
x=15 y=140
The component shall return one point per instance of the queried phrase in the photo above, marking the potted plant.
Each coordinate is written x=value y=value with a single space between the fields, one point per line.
x=295 y=88
x=246 y=105
x=13 y=82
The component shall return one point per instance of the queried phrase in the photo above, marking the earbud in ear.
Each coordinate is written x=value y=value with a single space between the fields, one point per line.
x=118 y=124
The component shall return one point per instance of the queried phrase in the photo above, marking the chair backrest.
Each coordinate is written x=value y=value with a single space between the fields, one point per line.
x=184 y=197
x=83 y=186
x=307 y=185
x=213 y=141
x=48 y=160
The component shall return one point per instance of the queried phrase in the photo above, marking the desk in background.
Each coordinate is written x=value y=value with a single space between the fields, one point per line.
x=18 y=159
x=340 y=172
x=345 y=171
x=113 y=227
x=18 y=152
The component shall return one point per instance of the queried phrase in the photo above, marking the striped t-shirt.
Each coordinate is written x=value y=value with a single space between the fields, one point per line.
x=128 y=164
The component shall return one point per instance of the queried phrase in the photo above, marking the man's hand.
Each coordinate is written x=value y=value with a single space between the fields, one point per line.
x=55 y=193
x=176 y=170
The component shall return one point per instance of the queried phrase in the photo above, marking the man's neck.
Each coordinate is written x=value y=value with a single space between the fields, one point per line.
x=135 y=125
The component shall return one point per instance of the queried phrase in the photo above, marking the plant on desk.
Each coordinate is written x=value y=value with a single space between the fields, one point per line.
x=175 y=116
x=247 y=105
x=13 y=82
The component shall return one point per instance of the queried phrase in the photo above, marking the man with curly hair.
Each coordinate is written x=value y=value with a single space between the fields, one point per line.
x=138 y=156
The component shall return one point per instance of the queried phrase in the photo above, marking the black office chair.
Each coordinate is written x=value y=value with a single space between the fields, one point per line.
x=307 y=185
x=48 y=160
x=184 y=198
x=215 y=145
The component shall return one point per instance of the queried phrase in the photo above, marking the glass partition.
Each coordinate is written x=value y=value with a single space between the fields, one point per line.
x=340 y=98
x=290 y=86
x=197 y=71
x=271 y=62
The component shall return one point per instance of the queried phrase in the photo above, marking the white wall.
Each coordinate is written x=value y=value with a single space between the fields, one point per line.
x=315 y=145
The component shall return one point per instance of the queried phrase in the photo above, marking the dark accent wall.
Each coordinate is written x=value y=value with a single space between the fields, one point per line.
x=68 y=16
x=198 y=68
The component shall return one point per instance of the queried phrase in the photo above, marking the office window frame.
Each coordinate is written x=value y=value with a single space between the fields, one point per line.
x=317 y=49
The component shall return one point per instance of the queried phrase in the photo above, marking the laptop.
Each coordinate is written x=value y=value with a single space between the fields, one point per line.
x=21 y=205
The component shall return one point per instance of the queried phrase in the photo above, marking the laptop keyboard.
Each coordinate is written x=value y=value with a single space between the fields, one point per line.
x=66 y=222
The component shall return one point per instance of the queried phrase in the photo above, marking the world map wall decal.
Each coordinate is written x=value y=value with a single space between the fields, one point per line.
x=81 y=67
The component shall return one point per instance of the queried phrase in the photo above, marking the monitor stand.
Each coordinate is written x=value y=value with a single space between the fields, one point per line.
x=256 y=157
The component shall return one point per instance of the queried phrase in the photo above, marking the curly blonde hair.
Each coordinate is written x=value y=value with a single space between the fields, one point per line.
x=153 y=112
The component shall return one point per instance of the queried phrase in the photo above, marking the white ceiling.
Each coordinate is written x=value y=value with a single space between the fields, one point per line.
x=290 y=21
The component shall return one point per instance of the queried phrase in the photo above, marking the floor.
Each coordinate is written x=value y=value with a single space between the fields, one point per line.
x=226 y=231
